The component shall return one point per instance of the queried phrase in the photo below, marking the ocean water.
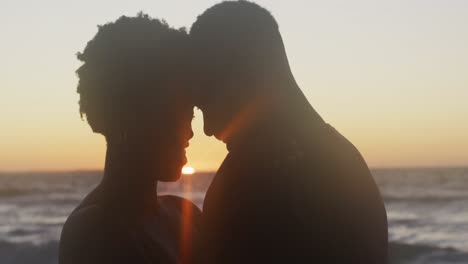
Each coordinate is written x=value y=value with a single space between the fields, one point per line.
x=427 y=212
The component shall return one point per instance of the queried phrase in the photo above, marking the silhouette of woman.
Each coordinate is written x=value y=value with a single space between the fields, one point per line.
x=132 y=91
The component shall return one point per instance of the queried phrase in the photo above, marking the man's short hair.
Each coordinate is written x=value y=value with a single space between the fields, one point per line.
x=234 y=17
x=239 y=35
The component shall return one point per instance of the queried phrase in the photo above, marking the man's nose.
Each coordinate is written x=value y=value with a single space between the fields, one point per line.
x=206 y=126
x=208 y=131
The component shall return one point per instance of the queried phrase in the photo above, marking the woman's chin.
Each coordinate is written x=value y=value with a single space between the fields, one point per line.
x=172 y=174
x=174 y=171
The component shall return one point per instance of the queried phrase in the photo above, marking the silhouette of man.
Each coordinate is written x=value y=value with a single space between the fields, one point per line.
x=292 y=189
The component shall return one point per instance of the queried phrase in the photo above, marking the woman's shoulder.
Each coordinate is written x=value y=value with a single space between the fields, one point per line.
x=185 y=220
x=180 y=208
x=84 y=217
x=87 y=218
x=76 y=233
x=90 y=235
x=178 y=203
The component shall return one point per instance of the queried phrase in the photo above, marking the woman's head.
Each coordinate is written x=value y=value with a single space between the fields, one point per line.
x=132 y=90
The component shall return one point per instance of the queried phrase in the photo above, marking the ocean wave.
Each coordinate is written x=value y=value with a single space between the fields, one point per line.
x=12 y=253
x=14 y=192
x=400 y=253
x=424 y=198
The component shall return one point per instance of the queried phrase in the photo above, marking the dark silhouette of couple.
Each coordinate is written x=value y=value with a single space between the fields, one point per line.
x=291 y=190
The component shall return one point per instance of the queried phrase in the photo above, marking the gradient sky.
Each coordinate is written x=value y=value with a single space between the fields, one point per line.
x=392 y=76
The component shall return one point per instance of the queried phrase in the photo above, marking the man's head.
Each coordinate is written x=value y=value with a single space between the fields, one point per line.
x=239 y=56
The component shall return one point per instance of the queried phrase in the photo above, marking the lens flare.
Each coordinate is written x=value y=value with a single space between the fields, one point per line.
x=186 y=227
x=188 y=170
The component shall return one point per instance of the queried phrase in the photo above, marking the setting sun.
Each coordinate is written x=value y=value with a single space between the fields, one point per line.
x=188 y=170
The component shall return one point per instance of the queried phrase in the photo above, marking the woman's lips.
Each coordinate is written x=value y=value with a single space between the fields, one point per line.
x=185 y=153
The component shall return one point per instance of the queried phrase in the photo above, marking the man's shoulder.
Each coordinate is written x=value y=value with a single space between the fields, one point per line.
x=343 y=151
x=336 y=136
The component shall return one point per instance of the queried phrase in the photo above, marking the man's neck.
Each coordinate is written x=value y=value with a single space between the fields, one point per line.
x=286 y=118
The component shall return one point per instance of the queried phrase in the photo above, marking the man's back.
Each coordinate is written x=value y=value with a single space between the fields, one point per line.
x=283 y=198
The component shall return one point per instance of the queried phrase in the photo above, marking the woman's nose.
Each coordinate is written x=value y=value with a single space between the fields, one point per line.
x=191 y=134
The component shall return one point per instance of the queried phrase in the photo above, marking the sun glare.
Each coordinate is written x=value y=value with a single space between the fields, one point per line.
x=188 y=170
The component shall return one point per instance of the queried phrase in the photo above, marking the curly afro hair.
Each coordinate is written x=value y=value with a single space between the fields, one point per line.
x=124 y=70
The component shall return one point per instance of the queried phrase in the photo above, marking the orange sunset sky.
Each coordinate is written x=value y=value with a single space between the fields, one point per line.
x=391 y=76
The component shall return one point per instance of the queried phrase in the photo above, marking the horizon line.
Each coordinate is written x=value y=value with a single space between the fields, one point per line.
x=214 y=170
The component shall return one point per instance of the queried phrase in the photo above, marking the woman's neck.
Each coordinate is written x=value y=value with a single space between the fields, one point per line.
x=129 y=178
